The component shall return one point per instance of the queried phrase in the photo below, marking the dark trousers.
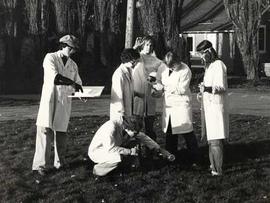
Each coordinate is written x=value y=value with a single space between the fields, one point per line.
x=191 y=142
x=149 y=127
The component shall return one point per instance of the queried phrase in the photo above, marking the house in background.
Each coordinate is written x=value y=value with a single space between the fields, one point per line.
x=207 y=19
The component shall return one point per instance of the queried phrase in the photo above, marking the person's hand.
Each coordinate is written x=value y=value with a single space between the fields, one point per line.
x=78 y=87
x=134 y=151
x=138 y=43
x=201 y=87
x=199 y=97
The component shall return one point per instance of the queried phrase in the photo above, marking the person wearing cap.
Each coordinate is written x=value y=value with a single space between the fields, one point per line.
x=144 y=100
x=61 y=79
x=122 y=86
x=177 y=110
x=213 y=93
x=112 y=143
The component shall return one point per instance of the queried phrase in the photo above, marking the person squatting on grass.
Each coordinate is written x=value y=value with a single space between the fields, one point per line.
x=174 y=78
x=144 y=102
x=122 y=86
x=61 y=78
x=112 y=143
x=213 y=94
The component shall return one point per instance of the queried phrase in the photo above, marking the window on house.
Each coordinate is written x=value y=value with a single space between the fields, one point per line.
x=190 y=43
x=262 y=38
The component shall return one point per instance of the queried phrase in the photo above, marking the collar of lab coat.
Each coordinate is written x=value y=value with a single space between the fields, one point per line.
x=60 y=55
x=178 y=66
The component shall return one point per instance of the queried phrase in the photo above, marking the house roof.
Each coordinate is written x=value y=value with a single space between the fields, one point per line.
x=204 y=15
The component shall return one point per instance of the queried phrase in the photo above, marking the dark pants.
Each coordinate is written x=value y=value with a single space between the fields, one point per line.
x=149 y=127
x=191 y=142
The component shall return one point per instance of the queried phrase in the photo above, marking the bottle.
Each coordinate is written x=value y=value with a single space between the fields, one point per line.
x=171 y=157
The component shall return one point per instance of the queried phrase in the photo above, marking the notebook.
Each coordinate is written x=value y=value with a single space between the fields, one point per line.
x=89 y=91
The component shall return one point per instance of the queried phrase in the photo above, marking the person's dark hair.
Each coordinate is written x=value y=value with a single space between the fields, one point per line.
x=171 y=58
x=128 y=55
x=210 y=53
x=133 y=123
x=202 y=46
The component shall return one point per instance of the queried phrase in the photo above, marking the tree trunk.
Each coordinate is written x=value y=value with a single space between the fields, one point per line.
x=129 y=24
x=161 y=19
x=61 y=13
x=246 y=17
x=251 y=61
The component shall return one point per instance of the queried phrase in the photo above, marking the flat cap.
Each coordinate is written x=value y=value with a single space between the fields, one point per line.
x=70 y=40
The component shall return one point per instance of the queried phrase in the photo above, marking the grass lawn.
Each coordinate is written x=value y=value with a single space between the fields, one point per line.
x=246 y=168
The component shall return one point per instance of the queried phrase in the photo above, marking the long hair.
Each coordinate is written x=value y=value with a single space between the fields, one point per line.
x=146 y=39
x=210 y=53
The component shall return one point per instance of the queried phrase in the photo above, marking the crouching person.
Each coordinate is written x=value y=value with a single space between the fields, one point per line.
x=108 y=147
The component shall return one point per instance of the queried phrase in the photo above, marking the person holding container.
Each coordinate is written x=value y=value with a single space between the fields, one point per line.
x=213 y=94
x=177 y=111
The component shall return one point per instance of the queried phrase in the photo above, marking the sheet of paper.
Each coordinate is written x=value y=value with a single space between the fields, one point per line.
x=89 y=91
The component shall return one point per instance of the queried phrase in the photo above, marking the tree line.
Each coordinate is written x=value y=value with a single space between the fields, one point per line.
x=31 y=28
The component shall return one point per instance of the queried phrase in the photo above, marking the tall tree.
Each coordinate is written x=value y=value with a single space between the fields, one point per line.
x=108 y=26
x=246 y=18
x=61 y=13
x=162 y=20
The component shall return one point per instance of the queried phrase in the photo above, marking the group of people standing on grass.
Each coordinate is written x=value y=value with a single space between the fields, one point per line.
x=140 y=79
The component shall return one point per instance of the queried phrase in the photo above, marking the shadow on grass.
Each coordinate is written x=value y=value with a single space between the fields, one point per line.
x=247 y=157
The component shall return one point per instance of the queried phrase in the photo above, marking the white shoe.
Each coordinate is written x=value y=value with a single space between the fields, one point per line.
x=214 y=173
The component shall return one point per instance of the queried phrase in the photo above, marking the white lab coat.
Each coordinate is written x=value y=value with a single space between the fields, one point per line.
x=55 y=105
x=107 y=144
x=121 y=93
x=145 y=105
x=215 y=105
x=176 y=99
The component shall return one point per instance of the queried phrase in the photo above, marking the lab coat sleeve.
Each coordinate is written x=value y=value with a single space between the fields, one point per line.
x=117 y=93
x=109 y=142
x=183 y=83
x=77 y=76
x=147 y=141
x=159 y=88
x=219 y=76
x=50 y=70
x=159 y=73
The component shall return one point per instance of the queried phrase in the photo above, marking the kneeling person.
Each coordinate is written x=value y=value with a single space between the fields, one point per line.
x=110 y=142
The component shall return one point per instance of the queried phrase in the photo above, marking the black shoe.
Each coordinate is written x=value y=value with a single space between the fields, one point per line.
x=42 y=171
x=38 y=176
x=107 y=178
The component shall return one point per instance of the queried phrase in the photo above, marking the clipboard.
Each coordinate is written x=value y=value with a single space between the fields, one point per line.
x=88 y=92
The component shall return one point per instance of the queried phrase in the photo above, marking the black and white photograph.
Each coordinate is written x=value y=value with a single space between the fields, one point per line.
x=135 y=101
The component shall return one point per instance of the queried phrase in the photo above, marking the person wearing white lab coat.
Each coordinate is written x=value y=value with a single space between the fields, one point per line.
x=214 y=95
x=111 y=143
x=61 y=78
x=177 y=110
x=144 y=102
x=122 y=86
